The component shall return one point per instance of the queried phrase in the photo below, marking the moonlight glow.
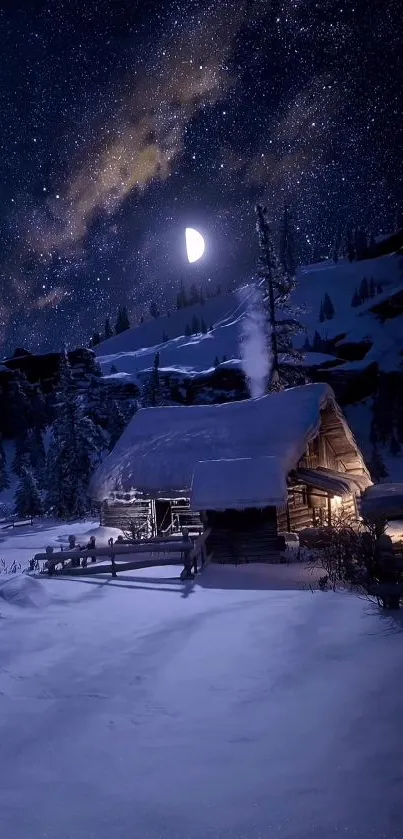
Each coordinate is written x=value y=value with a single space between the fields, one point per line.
x=194 y=244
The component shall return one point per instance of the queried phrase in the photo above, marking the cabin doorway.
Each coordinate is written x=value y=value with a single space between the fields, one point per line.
x=163 y=517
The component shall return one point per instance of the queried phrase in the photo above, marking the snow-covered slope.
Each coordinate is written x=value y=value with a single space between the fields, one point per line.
x=133 y=351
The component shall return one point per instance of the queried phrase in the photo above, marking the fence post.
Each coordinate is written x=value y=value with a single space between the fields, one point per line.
x=113 y=566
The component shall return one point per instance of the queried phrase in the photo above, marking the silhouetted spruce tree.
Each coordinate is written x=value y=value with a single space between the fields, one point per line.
x=181 y=298
x=203 y=327
x=152 y=396
x=4 y=479
x=95 y=339
x=195 y=325
x=317 y=343
x=328 y=308
x=116 y=424
x=193 y=295
x=28 y=500
x=372 y=287
x=113 y=370
x=356 y=299
x=122 y=320
x=321 y=312
x=188 y=330
x=376 y=466
x=216 y=361
x=282 y=320
x=379 y=287
x=108 y=329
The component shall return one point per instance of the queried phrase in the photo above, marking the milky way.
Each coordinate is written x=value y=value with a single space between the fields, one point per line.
x=123 y=123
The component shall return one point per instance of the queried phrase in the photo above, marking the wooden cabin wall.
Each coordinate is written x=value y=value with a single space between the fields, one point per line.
x=300 y=514
x=120 y=515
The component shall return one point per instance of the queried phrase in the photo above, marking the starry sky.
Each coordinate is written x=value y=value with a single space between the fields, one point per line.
x=123 y=122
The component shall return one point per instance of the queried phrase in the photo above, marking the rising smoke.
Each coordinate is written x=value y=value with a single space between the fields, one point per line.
x=254 y=341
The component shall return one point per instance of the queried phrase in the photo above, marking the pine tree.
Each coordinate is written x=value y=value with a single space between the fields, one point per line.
x=195 y=325
x=113 y=370
x=4 y=479
x=277 y=288
x=360 y=243
x=317 y=343
x=203 y=327
x=95 y=339
x=364 y=289
x=307 y=344
x=216 y=361
x=36 y=451
x=288 y=247
x=116 y=424
x=376 y=466
x=152 y=395
x=188 y=330
x=328 y=308
x=379 y=287
x=108 y=329
x=122 y=320
x=74 y=451
x=22 y=458
x=372 y=287
x=321 y=312
x=356 y=299
x=27 y=497
x=181 y=299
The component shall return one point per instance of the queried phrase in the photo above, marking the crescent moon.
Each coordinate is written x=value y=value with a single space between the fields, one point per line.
x=195 y=245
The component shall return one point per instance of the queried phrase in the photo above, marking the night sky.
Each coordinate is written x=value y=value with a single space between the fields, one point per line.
x=122 y=122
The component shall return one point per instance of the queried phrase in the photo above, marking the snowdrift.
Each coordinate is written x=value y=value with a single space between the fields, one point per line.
x=24 y=591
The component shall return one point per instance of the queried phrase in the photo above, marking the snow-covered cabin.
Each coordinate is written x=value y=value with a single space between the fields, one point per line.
x=281 y=462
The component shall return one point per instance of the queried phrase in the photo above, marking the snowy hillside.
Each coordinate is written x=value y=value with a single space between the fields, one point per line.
x=133 y=351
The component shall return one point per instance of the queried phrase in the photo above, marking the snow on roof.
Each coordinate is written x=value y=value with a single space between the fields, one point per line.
x=383 y=500
x=159 y=449
x=238 y=484
x=328 y=480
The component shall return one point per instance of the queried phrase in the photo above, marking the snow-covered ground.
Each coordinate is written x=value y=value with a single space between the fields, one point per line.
x=238 y=707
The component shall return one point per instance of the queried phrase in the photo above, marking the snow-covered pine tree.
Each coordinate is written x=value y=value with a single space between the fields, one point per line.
x=288 y=245
x=74 y=451
x=22 y=453
x=328 y=308
x=122 y=320
x=36 y=452
x=4 y=479
x=277 y=288
x=28 y=500
x=108 y=333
